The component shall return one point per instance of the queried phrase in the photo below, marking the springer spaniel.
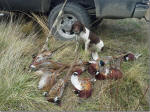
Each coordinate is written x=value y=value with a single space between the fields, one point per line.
x=89 y=38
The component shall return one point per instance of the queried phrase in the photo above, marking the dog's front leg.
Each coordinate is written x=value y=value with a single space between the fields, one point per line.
x=95 y=55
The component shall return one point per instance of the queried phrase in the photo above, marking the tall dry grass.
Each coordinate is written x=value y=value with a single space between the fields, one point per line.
x=18 y=87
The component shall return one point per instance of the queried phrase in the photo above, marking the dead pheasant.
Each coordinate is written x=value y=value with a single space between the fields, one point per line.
x=82 y=86
x=102 y=71
x=114 y=74
x=45 y=55
x=115 y=61
x=93 y=67
x=112 y=61
x=42 y=56
x=122 y=57
x=48 y=79
x=56 y=92
x=109 y=73
x=107 y=69
x=47 y=64
x=131 y=57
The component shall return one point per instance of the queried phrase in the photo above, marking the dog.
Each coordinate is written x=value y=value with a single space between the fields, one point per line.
x=90 y=39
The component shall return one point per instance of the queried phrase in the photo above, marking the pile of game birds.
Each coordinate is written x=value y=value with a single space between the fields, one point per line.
x=105 y=68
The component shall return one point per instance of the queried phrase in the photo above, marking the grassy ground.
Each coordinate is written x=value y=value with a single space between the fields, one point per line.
x=18 y=87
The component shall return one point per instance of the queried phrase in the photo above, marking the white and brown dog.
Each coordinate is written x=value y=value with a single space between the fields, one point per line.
x=89 y=38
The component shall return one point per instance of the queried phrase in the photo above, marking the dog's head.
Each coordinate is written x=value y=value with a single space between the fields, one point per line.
x=77 y=28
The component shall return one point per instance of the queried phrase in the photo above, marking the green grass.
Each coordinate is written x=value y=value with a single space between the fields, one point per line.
x=18 y=87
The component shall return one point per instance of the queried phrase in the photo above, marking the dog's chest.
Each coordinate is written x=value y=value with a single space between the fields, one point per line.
x=85 y=35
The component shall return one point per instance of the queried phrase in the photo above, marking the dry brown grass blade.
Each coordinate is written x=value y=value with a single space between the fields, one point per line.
x=41 y=22
x=142 y=98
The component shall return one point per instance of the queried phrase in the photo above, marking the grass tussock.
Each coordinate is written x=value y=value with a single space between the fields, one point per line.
x=18 y=87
